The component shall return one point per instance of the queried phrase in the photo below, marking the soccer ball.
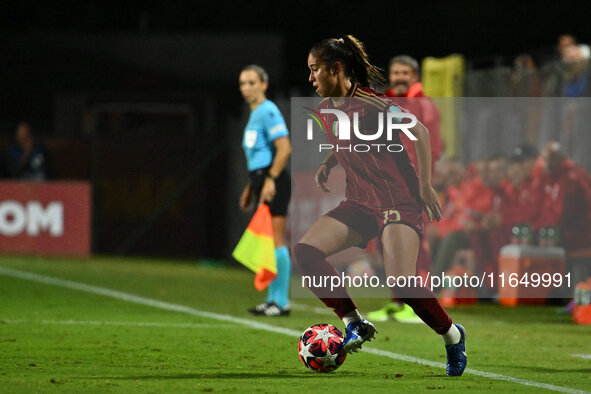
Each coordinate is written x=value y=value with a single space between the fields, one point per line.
x=321 y=348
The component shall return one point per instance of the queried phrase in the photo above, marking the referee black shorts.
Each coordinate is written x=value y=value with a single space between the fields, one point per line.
x=280 y=203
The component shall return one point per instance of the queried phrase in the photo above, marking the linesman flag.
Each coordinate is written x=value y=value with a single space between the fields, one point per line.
x=256 y=248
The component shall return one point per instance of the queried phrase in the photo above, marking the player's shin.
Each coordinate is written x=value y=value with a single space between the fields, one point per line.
x=312 y=263
x=425 y=304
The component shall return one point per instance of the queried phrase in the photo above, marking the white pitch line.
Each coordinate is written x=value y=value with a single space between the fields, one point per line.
x=143 y=300
x=256 y=325
x=328 y=312
x=116 y=323
x=585 y=356
x=313 y=309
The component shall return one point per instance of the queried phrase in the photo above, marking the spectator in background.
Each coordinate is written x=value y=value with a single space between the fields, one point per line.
x=566 y=201
x=521 y=200
x=568 y=75
x=525 y=79
x=565 y=205
x=576 y=72
x=483 y=220
x=27 y=158
x=404 y=81
x=566 y=41
x=448 y=235
x=480 y=220
x=452 y=175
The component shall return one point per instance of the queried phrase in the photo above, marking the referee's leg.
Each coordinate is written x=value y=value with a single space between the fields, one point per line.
x=279 y=287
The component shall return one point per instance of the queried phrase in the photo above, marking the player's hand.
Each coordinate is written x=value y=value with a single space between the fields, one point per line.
x=322 y=177
x=429 y=197
x=268 y=192
x=245 y=199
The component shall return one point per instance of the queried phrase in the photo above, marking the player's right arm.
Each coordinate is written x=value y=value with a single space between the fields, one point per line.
x=324 y=171
x=423 y=150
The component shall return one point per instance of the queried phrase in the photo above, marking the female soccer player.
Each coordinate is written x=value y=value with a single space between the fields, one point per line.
x=384 y=198
x=267 y=148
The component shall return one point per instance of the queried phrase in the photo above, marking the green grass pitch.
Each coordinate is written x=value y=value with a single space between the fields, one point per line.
x=55 y=338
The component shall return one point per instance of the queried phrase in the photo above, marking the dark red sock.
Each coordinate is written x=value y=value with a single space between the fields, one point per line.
x=312 y=263
x=427 y=307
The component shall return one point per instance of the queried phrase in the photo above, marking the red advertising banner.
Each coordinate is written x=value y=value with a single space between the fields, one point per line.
x=51 y=218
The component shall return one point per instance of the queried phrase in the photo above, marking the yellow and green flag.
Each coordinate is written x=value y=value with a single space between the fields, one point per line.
x=256 y=248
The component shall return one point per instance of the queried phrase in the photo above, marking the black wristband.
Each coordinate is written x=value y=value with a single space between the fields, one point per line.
x=271 y=176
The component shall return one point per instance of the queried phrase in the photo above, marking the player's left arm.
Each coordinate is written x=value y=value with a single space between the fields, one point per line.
x=423 y=150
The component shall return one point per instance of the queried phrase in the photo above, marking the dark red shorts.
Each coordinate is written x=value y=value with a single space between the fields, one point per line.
x=370 y=223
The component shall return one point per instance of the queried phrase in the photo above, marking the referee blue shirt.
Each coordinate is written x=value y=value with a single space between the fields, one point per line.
x=265 y=125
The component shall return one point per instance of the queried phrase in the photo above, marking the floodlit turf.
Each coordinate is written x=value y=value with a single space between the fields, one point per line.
x=55 y=338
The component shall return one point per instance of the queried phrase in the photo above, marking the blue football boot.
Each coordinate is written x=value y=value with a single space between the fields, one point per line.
x=356 y=334
x=456 y=355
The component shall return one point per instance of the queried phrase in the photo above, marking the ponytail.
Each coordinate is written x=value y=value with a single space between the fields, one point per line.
x=362 y=70
x=350 y=52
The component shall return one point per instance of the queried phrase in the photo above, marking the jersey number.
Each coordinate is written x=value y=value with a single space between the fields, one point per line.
x=391 y=216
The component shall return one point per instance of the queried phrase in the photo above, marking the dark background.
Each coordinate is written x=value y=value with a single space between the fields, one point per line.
x=477 y=29
x=166 y=184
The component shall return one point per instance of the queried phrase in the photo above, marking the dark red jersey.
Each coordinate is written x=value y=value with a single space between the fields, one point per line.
x=376 y=178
